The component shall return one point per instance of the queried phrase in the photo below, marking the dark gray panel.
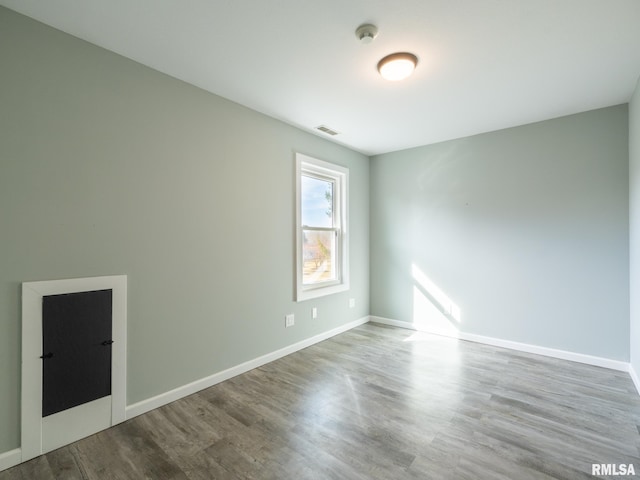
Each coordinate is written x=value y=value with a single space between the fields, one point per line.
x=76 y=336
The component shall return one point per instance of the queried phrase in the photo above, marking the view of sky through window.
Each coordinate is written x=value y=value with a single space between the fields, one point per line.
x=316 y=202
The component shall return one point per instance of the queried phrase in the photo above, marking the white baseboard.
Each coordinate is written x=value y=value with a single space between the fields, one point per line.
x=10 y=459
x=193 y=387
x=549 y=352
x=522 y=347
x=634 y=377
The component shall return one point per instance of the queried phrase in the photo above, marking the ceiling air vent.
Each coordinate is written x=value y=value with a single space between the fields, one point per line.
x=327 y=130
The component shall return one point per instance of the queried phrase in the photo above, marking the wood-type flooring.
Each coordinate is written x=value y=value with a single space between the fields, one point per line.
x=375 y=403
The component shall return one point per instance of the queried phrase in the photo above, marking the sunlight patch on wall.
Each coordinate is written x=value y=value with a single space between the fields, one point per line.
x=433 y=309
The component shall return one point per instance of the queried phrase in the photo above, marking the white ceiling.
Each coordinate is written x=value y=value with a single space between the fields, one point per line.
x=483 y=64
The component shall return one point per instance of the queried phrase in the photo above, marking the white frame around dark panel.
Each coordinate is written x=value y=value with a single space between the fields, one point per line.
x=96 y=415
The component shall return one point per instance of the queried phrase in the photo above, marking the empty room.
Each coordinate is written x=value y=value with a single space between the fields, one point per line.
x=319 y=240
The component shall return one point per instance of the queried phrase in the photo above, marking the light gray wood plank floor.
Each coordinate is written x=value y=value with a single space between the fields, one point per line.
x=375 y=403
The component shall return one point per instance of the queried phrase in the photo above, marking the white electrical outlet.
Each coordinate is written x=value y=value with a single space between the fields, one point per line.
x=352 y=302
x=289 y=320
x=314 y=312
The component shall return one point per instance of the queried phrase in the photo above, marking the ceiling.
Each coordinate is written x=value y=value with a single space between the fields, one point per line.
x=483 y=64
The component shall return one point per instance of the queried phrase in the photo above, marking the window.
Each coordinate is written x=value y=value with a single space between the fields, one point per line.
x=321 y=228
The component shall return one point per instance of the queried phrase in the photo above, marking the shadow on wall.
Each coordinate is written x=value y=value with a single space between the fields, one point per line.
x=433 y=309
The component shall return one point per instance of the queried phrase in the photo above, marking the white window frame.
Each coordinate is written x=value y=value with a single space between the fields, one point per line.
x=339 y=175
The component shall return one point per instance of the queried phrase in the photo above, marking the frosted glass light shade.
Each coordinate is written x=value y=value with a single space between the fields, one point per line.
x=397 y=66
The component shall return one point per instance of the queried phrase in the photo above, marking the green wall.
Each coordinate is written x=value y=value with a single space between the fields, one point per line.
x=109 y=167
x=525 y=230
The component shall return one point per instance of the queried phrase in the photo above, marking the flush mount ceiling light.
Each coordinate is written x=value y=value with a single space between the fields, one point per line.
x=397 y=66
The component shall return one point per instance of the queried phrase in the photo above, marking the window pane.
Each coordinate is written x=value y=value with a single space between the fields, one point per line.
x=318 y=253
x=317 y=202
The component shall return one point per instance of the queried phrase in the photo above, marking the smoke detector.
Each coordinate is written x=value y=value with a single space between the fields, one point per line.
x=366 y=33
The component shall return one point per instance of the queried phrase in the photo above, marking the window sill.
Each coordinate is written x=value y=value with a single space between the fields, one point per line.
x=309 y=293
